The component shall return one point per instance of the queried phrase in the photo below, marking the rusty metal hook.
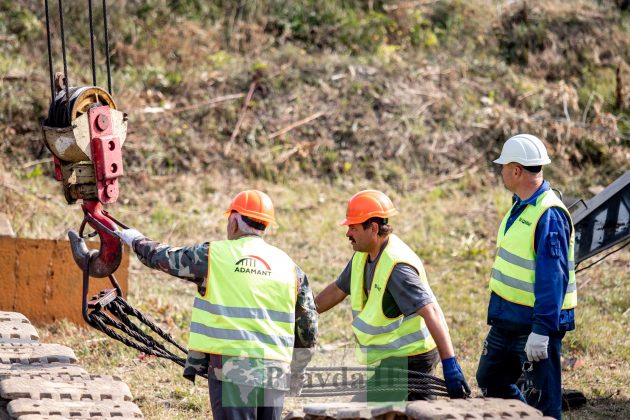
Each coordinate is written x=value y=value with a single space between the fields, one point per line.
x=108 y=257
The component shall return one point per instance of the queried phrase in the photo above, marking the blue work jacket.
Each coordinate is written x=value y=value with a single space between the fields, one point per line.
x=551 y=243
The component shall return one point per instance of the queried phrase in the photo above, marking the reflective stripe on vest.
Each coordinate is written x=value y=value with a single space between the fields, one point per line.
x=513 y=274
x=249 y=306
x=377 y=336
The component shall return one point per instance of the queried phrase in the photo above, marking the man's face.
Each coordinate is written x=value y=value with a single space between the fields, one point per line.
x=361 y=239
x=511 y=173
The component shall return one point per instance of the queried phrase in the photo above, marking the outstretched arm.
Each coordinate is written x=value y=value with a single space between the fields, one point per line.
x=188 y=263
x=329 y=297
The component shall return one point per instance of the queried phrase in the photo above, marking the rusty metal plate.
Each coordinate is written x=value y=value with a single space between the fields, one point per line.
x=17 y=331
x=44 y=370
x=74 y=409
x=98 y=389
x=35 y=353
x=472 y=408
x=13 y=316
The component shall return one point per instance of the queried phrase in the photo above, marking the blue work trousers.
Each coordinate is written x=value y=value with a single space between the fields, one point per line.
x=501 y=365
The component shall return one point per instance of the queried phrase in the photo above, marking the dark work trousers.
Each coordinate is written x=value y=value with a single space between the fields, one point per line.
x=241 y=402
x=501 y=365
x=392 y=383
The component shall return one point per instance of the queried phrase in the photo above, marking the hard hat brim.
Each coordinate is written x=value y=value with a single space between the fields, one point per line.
x=356 y=220
x=503 y=161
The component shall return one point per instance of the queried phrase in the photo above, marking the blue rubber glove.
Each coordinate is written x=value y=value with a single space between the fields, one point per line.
x=455 y=382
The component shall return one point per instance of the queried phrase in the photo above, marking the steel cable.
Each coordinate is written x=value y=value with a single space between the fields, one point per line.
x=92 y=43
x=65 y=62
x=130 y=310
x=98 y=321
x=109 y=74
x=388 y=380
x=343 y=392
x=50 y=66
x=425 y=376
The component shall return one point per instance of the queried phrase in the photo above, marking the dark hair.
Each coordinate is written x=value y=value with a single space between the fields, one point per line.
x=533 y=169
x=253 y=223
x=384 y=228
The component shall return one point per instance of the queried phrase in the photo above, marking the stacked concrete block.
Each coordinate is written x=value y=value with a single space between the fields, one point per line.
x=441 y=409
x=43 y=381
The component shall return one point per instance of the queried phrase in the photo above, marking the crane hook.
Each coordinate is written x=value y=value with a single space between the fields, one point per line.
x=109 y=255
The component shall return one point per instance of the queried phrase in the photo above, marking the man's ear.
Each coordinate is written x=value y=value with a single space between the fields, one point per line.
x=232 y=225
x=518 y=170
x=374 y=228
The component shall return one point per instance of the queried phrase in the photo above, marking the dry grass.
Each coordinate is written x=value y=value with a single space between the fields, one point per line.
x=452 y=228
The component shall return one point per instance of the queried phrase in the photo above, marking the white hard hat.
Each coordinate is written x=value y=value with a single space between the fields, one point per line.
x=525 y=149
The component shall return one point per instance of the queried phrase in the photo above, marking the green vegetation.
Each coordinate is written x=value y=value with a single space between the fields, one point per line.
x=417 y=97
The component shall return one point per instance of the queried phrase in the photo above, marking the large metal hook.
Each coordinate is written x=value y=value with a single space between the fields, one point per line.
x=108 y=257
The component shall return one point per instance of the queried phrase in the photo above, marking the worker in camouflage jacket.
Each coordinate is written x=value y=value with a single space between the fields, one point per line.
x=254 y=322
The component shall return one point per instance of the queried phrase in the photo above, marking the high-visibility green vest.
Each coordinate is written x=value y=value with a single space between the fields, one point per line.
x=249 y=306
x=377 y=336
x=514 y=271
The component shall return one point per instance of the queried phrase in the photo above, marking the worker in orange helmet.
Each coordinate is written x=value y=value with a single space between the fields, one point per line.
x=253 y=306
x=397 y=321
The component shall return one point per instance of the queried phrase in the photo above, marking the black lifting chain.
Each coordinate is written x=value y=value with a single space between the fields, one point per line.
x=312 y=393
x=112 y=316
x=396 y=380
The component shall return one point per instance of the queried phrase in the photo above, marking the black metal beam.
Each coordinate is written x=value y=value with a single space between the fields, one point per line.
x=604 y=220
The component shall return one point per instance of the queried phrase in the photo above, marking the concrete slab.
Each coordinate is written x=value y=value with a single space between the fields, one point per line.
x=43 y=370
x=472 y=408
x=96 y=389
x=441 y=409
x=74 y=409
x=27 y=354
x=350 y=410
x=17 y=331
x=13 y=316
x=54 y=417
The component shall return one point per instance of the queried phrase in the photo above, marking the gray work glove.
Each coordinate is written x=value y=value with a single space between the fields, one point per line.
x=301 y=358
x=296 y=384
x=536 y=347
x=129 y=235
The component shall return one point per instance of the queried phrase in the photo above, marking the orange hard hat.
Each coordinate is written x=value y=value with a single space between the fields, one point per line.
x=367 y=204
x=254 y=204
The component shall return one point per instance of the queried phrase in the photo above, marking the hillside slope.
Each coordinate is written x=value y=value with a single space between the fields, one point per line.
x=398 y=91
x=414 y=97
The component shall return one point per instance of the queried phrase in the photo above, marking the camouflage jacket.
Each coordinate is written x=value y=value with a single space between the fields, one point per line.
x=191 y=263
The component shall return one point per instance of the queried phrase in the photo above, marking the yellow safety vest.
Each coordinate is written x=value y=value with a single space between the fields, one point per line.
x=249 y=306
x=377 y=336
x=514 y=271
